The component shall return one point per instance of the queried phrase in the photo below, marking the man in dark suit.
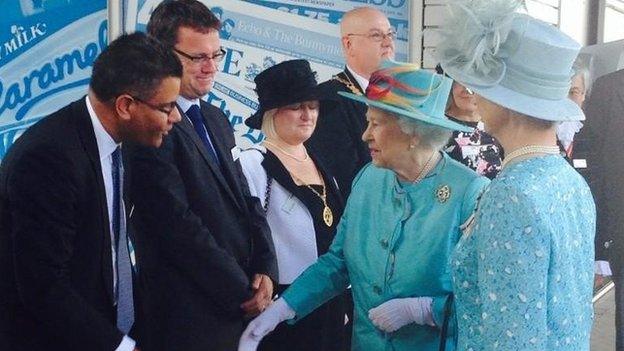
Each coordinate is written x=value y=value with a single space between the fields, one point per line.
x=67 y=258
x=211 y=256
x=604 y=132
x=367 y=39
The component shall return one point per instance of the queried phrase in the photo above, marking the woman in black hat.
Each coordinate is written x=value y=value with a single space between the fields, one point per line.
x=301 y=200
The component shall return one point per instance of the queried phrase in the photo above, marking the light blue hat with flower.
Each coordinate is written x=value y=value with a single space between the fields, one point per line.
x=510 y=58
x=405 y=89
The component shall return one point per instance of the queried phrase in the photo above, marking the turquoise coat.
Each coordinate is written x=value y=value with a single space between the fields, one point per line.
x=393 y=241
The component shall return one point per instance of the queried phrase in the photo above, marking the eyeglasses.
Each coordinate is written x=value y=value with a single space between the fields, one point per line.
x=165 y=108
x=216 y=57
x=376 y=35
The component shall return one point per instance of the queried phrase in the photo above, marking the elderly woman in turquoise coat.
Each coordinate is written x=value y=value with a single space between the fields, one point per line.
x=401 y=223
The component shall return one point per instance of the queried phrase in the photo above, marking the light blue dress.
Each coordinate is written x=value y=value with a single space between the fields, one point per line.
x=394 y=241
x=523 y=271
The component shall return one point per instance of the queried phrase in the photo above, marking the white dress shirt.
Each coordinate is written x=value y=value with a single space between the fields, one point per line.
x=106 y=146
x=362 y=82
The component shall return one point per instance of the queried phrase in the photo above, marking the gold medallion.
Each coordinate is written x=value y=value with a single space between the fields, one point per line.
x=443 y=193
x=328 y=216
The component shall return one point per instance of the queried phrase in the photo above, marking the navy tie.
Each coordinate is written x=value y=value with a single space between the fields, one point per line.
x=123 y=291
x=194 y=114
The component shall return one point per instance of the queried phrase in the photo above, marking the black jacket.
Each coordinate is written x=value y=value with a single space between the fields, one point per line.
x=337 y=139
x=56 y=274
x=206 y=237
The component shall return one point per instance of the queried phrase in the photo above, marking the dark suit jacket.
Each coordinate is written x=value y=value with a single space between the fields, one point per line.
x=206 y=235
x=337 y=139
x=56 y=270
x=604 y=134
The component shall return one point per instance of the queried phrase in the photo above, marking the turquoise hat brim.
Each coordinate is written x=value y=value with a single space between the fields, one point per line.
x=440 y=121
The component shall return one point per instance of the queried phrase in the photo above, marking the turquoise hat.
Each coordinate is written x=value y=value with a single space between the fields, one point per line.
x=510 y=58
x=407 y=90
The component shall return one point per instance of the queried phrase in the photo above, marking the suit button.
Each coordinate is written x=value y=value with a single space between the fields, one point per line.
x=384 y=243
x=377 y=289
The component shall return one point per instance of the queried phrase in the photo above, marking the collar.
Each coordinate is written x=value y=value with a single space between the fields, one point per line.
x=402 y=187
x=185 y=103
x=105 y=143
x=362 y=82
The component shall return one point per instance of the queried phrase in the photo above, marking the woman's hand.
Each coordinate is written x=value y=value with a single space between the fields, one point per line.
x=396 y=313
x=276 y=313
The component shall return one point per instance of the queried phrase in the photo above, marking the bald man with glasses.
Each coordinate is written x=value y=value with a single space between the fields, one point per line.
x=367 y=39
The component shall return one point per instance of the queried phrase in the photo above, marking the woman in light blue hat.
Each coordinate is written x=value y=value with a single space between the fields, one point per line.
x=399 y=227
x=523 y=269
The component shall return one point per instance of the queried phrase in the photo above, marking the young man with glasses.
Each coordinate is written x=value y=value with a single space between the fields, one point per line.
x=211 y=254
x=69 y=262
x=367 y=40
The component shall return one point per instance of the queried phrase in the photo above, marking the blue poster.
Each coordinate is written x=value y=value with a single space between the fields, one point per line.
x=47 y=50
x=258 y=34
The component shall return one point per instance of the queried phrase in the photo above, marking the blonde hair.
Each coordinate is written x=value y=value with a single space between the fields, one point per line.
x=268 y=125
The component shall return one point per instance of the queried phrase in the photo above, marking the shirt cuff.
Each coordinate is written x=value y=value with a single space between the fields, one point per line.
x=127 y=344
x=602 y=268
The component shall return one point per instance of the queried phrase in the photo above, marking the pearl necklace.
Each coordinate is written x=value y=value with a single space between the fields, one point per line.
x=529 y=150
x=427 y=167
x=300 y=160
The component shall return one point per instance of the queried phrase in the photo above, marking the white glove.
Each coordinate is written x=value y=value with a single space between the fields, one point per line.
x=276 y=313
x=396 y=313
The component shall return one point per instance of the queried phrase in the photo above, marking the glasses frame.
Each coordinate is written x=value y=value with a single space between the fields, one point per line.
x=155 y=107
x=372 y=36
x=217 y=57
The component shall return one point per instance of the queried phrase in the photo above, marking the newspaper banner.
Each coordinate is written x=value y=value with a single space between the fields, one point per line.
x=259 y=34
x=47 y=50
x=397 y=12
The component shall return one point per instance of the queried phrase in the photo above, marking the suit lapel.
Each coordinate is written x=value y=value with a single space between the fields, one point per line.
x=276 y=170
x=186 y=126
x=352 y=79
x=85 y=131
x=221 y=148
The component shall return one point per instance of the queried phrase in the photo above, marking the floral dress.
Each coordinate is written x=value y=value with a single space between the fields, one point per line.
x=477 y=149
x=523 y=269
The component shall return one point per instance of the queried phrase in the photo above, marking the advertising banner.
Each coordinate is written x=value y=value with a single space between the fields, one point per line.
x=258 y=34
x=47 y=50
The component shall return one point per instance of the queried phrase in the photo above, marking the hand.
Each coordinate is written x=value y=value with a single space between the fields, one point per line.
x=263 y=295
x=278 y=312
x=394 y=314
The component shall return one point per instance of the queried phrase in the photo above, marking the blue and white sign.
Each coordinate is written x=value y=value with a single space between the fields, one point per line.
x=47 y=50
x=258 y=34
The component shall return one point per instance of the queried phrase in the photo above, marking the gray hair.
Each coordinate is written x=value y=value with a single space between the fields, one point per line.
x=580 y=69
x=429 y=135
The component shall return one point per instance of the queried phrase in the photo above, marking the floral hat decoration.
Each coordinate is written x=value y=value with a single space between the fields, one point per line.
x=407 y=90
x=509 y=58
